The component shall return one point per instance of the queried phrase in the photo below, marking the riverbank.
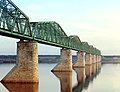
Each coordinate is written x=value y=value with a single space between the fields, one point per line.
x=56 y=58
x=41 y=58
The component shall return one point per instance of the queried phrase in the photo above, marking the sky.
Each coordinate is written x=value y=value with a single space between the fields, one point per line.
x=94 y=21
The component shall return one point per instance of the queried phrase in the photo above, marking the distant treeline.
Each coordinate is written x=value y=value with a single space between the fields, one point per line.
x=54 y=59
x=41 y=58
x=114 y=59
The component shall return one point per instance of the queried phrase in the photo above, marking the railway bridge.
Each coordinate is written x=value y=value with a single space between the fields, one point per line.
x=14 y=23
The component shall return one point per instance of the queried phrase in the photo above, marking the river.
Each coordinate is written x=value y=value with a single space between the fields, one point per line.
x=106 y=80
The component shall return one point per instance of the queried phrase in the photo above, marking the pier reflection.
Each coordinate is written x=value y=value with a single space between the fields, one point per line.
x=83 y=84
x=65 y=80
x=80 y=74
x=82 y=81
x=21 y=87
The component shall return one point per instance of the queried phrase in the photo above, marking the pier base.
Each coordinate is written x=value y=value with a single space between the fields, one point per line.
x=26 y=69
x=65 y=64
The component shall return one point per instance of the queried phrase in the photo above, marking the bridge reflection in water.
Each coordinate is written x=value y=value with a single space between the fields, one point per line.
x=66 y=80
x=21 y=87
x=84 y=84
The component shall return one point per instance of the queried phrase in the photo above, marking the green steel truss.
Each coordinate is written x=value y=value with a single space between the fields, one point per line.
x=14 y=23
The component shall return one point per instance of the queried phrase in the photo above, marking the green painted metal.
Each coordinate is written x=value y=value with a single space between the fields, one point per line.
x=85 y=47
x=98 y=52
x=75 y=42
x=91 y=49
x=14 y=23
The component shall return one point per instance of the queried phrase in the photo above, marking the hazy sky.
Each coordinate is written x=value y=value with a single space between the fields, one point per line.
x=94 y=21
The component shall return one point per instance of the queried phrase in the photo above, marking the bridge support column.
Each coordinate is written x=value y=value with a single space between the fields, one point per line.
x=99 y=60
x=97 y=63
x=93 y=65
x=26 y=69
x=65 y=64
x=80 y=60
x=88 y=66
x=79 y=66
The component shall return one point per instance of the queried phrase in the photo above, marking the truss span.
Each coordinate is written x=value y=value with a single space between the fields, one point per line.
x=14 y=23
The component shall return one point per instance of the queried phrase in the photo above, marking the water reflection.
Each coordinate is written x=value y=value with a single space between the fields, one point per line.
x=78 y=88
x=88 y=71
x=80 y=74
x=82 y=81
x=21 y=87
x=65 y=80
x=85 y=83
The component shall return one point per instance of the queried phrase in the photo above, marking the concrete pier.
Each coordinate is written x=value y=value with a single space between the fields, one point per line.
x=26 y=69
x=88 y=65
x=79 y=67
x=80 y=60
x=65 y=64
x=97 y=62
x=93 y=64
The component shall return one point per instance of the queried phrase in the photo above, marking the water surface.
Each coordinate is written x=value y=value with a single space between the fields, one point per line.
x=106 y=80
